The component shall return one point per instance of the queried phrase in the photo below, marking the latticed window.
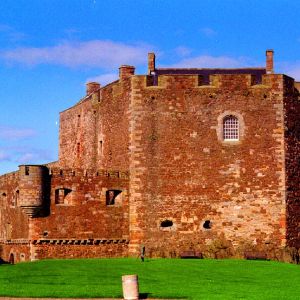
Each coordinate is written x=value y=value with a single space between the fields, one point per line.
x=231 y=128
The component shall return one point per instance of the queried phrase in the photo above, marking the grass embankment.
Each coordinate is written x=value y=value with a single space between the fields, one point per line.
x=161 y=278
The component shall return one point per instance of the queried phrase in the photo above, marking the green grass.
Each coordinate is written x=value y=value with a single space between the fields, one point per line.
x=161 y=278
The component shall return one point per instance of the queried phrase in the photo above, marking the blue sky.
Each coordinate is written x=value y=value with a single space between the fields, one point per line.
x=49 y=49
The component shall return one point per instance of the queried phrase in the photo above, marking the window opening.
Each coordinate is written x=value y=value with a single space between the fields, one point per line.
x=101 y=147
x=111 y=196
x=231 y=128
x=78 y=149
x=207 y=224
x=61 y=194
x=26 y=170
x=12 y=259
x=166 y=223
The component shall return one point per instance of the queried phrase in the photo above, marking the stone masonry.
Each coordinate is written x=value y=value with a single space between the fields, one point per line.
x=177 y=160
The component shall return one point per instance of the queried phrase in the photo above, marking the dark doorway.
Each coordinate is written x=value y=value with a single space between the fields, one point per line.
x=12 y=259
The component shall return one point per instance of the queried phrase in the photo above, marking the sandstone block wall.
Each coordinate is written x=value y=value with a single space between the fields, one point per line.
x=292 y=161
x=79 y=221
x=183 y=171
x=94 y=133
x=15 y=251
x=108 y=249
x=83 y=212
x=13 y=221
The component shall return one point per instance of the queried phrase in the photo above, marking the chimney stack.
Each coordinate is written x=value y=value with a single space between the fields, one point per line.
x=269 y=61
x=91 y=87
x=126 y=71
x=151 y=63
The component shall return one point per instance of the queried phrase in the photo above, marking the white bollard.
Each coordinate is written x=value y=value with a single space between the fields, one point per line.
x=130 y=287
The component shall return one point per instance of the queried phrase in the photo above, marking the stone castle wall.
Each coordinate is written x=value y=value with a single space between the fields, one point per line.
x=13 y=222
x=77 y=220
x=14 y=225
x=292 y=159
x=180 y=185
x=188 y=175
x=94 y=133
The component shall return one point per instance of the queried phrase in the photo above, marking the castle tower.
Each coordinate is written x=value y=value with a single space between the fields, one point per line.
x=33 y=182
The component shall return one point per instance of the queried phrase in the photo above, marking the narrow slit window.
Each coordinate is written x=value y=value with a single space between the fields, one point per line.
x=230 y=128
x=26 y=170
x=78 y=149
x=100 y=147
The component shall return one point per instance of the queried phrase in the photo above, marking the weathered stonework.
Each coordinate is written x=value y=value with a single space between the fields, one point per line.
x=179 y=185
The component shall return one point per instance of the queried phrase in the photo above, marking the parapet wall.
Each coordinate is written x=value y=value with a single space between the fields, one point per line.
x=223 y=81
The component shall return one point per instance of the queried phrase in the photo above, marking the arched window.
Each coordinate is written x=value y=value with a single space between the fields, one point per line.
x=230 y=128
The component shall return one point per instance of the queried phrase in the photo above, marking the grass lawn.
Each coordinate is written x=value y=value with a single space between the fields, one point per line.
x=161 y=278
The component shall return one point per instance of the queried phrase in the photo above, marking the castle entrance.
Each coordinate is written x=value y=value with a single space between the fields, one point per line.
x=11 y=259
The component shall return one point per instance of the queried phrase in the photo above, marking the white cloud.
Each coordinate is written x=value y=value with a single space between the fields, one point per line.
x=22 y=154
x=208 y=32
x=104 y=78
x=208 y=61
x=35 y=156
x=95 y=53
x=26 y=158
x=11 y=133
x=290 y=69
x=4 y=156
x=12 y=34
x=183 y=51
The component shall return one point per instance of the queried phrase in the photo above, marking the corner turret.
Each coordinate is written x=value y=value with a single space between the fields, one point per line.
x=33 y=189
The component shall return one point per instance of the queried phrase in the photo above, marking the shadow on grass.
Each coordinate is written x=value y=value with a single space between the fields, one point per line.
x=147 y=295
x=144 y=295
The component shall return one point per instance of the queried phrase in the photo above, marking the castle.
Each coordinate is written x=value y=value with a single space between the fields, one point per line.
x=175 y=160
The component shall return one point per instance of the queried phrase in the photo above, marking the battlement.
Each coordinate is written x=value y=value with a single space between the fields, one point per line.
x=218 y=82
x=189 y=77
x=57 y=171
x=90 y=173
